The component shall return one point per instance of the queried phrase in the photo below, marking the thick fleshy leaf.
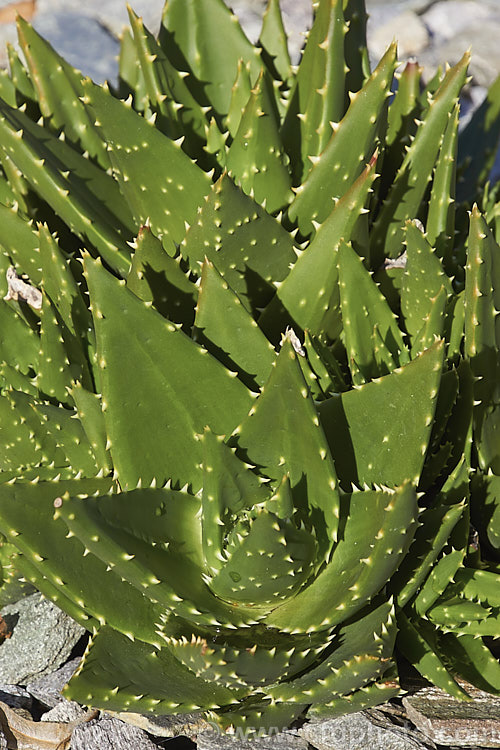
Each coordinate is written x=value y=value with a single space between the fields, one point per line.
x=145 y=679
x=416 y=171
x=351 y=145
x=282 y=435
x=300 y=300
x=319 y=94
x=372 y=338
x=140 y=154
x=186 y=36
x=392 y=448
x=182 y=388
x=230 y=332
x=249 y=248
x=256 y=160
x=378 y=530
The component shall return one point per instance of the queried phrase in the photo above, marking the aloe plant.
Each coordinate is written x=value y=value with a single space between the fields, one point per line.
x=249 y=366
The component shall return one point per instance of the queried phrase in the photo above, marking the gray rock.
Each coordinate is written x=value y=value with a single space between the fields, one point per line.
x=382 y=11
x=47 y=689
x=188 y=725
x=93 y=49
x=297 y=18
x=483 y=41
x=112 y=14
x=249 y=15
x=65 y=711
x=15 y=697
x=357 y=732
x=447 y=18
x=3 y=741
x=217 y=740
x=107 y=733
x=42 y=639
x=448 y=721
x=409 y=31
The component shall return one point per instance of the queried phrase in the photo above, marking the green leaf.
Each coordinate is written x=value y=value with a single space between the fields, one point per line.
x=140 y=154
x=256 y=159
x=422 y=280
x=59 y=92
x=418 y=643
x=318 y=96
x=472 y=659
x=390 y=449
x=229 y=488
x=366 y=697
x=180 y=115
x=300 y=300
x=182 y=388
x=186 y=36
x=229 y=225
x=369 y=356
x=90 y=414
x=440 y=226
x=245 y=578
x=120 y=675
x=349 y=148
x=274 y=44
x=229 y=332
x=27 y=507
x=359 y=655
x=157 y=277
x=482 y=335
x=56 y=171
x=378 y=530
x=282 y=435
x=408 y=189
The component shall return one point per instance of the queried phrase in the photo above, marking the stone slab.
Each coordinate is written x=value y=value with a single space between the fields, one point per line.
x=356 y=732
x=15 y=697
x=176 y=725
x=83 y=41
x=447 y=18
x=106 y=733
x=448 y=721
x=47 y=689
x=409 y=31
x=42 y=639
x=217 y=740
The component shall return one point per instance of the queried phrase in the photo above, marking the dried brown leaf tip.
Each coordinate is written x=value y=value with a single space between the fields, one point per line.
x=5 y=631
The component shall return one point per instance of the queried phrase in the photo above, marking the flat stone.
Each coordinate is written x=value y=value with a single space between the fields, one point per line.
x=112 y=14
x=483 y=41
x=449 y=721
x=66 y=711
x=409 y=31
x=42 y=639
x=218 y=740
x=357 y=732
x=93 y=49
x=107 y=733
x=15 y=697
x=447 y=18
x=249 y=15
x=47 y=689
x=186 y=725
x=382 y=11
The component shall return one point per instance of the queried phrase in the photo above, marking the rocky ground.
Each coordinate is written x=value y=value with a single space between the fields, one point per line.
x=44 y=647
